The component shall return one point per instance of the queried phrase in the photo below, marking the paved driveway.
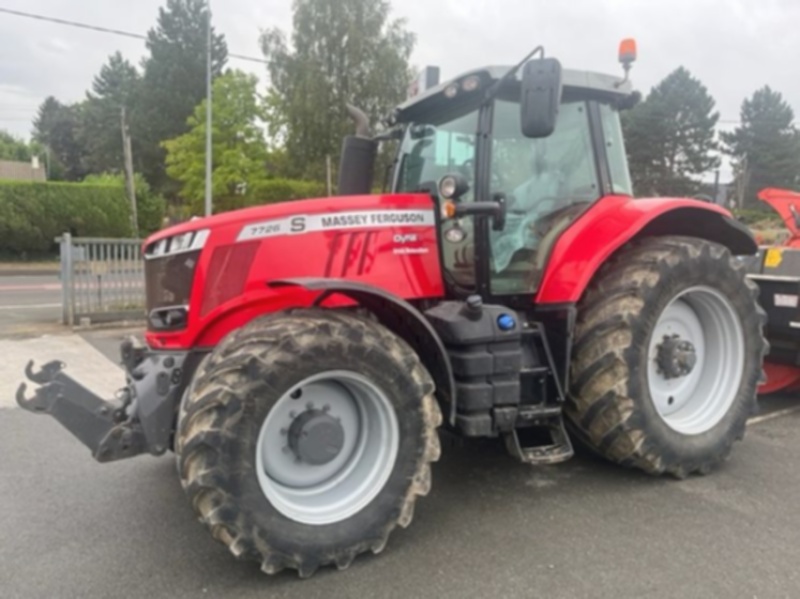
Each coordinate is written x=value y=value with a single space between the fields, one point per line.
x=490 y=528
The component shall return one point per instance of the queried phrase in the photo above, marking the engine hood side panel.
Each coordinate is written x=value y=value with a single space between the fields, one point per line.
x=387 y=241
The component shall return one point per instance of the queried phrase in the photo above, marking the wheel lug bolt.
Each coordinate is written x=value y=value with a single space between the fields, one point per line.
x=309 y=406
x=286 y=449
x=326 y=408
x=284 y=431
x=292 y=414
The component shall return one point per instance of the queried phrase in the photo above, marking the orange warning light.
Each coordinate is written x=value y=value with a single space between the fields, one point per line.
x=627 y=51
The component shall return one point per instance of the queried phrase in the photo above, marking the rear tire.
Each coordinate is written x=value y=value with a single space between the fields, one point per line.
x=292 y=505
x=639 y=396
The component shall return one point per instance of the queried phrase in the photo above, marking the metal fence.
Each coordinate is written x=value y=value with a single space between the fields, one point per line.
x=101 y=279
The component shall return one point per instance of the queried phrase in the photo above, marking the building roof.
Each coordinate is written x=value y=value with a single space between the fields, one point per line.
x=11 y=170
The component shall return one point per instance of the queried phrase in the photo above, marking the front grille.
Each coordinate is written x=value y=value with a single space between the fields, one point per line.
x=168 y=280
x=227 y=274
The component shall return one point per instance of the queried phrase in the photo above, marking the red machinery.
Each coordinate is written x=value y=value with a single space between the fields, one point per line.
x=300 y=357
x=777 y=273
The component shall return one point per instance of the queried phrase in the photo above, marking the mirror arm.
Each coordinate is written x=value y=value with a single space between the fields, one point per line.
x=496 y=209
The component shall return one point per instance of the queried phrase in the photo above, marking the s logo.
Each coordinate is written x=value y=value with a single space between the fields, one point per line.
x=298 y=224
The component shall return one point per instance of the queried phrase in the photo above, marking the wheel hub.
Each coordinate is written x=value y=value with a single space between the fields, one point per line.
x=316 y=437
x=676 y=357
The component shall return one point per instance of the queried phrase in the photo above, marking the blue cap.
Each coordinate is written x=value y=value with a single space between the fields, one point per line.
x=506 y=322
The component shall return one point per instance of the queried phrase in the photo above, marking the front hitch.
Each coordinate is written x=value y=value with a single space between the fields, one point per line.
x=98 y=424
x=139 y=420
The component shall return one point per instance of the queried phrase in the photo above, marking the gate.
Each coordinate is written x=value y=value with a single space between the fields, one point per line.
x=101 y=279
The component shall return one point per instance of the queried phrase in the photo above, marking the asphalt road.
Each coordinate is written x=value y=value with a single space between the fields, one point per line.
x=489 y=528
x=29 y=304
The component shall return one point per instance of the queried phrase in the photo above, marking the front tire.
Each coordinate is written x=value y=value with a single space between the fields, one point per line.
x=668 y=354
x=305 y=438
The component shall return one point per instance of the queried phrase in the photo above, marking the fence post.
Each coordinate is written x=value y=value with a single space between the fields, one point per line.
x=65 y=252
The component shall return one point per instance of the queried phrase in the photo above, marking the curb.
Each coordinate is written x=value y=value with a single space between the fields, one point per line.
x=28 y=273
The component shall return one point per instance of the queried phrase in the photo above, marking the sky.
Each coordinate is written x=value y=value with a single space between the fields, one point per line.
x=733 y=46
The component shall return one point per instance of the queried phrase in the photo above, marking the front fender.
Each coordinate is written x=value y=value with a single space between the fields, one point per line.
x=616 y=220
x=397 y=315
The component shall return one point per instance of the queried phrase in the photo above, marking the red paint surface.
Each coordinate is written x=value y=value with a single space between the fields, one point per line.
x=599 y=232
x=779 y=377
x=366 y=255
x=783 y=201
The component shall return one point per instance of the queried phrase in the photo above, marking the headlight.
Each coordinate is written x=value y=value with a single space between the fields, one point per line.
x=177 y=244
x=471 y=83
x=159 y=248
x=181 y=242
x=447 y=187
x=452 y=187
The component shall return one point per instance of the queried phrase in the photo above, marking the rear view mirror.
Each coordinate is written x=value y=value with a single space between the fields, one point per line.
x=540 y=97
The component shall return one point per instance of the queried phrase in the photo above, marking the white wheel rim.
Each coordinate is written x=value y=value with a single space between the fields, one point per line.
x=693 y=403
x=336 y=490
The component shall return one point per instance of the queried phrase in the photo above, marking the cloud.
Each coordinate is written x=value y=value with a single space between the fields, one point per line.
x=733 y=46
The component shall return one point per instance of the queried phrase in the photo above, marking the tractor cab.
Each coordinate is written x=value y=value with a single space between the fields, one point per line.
x=471 y=152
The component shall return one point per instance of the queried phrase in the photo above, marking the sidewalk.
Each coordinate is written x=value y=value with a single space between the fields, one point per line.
x=84 y=363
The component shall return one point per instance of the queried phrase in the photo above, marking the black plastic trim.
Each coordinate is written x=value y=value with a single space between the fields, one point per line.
x=599 y=146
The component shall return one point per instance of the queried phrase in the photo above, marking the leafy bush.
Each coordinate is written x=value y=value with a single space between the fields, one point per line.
x=269 y=191
x=150 y=207
x=32 y=215
x=752 y=216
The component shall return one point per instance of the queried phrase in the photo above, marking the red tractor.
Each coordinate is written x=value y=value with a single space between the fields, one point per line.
x=301 y=357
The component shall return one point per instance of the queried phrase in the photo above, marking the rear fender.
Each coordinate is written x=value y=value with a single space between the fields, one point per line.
x=398 y=316
x=614 y=221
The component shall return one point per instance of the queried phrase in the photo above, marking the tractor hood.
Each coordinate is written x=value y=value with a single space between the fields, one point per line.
x=282 y=209
x=297 y=208
x=201 y=273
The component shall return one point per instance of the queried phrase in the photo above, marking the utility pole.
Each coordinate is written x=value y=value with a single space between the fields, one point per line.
x=208 y=110
x=128 y=153
x=328 y=173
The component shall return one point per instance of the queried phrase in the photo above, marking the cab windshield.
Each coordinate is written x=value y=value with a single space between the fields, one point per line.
x=546 y=182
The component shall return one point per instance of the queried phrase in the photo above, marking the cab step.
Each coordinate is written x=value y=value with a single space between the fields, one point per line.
x=539 y=436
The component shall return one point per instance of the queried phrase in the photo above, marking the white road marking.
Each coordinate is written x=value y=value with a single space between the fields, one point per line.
x=30 y=306
x=773 y=415
x=84 y=363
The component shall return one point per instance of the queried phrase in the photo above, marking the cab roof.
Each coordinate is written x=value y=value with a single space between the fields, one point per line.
x=600 y=85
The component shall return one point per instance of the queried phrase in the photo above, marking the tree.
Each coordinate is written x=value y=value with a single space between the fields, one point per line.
x=174 y=81
x=341 y=51
x=670 y=136
x=765 y=147
x=113 y=88
x=239 y=149
x=13 y=148
x=58 y=128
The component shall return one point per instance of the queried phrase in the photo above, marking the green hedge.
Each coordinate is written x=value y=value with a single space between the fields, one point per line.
x=32 y=215
x=752 y=216
x=150 y=207
x=270 y=191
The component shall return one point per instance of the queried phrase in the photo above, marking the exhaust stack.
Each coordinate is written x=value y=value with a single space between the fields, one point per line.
x=357 y=164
